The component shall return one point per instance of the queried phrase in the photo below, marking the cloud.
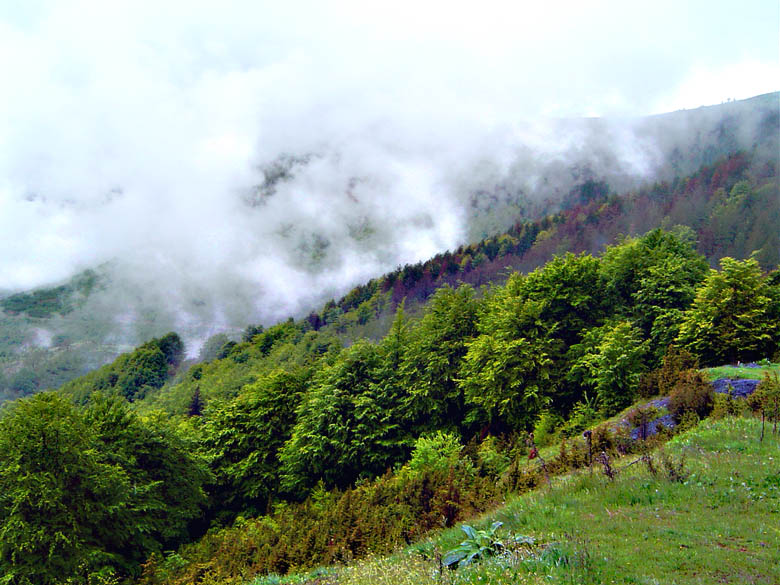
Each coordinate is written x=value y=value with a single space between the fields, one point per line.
x=139 y=130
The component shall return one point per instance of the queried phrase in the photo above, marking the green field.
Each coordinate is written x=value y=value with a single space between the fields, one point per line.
x=735 y=372
x=718 y=525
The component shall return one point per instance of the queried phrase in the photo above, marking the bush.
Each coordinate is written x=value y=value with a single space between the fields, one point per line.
x=726 y=405
x=676 y=361
x=329 y=528
x=617 y=440
x=766 y=399
x=691 y=393
x=546 y=428
x=688 y=420
x=643 y=415
x=648 y=384
x=582 y=416
x=492 y=462
x=436 y=452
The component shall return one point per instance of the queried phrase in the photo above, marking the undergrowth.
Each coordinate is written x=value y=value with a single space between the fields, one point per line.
x=705 y=510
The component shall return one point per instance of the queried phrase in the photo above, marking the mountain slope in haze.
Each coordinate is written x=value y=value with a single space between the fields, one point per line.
x=317 y=449
x=732 y=205
x=334 y=449
x=48 y=337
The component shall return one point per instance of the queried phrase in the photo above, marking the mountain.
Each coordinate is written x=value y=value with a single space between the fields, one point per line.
x=292 y=448
x=516 y=211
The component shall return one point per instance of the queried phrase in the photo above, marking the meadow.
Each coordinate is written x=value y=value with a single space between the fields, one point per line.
x=706 y=513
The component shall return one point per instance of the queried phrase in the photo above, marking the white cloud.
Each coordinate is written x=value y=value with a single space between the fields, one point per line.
x=134 y=129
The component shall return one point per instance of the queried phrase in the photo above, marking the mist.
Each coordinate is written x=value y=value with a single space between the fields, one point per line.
x=243 y=164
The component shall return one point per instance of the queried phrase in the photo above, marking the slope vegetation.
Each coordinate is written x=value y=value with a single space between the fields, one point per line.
x=301 y=451
x=706 y=516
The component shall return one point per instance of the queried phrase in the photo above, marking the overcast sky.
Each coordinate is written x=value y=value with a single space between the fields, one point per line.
x=133 y=128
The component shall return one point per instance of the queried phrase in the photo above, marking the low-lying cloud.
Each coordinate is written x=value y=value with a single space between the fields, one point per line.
x=143 y=134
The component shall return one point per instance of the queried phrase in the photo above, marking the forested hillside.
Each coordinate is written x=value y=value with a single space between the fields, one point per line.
x=732 y=207
x=577 y=200
x=410 y=293
x=410 y=403
x=307 y=451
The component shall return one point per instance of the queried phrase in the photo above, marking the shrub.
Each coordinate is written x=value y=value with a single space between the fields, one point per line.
x=492 y=462
x=546 y=427
x=648 y=384
x=726 y=405
x=617 y=440
x=675 y=470
x=583 y=415
x=691 y=393
x=571 y=456
x=676 y=361
x=766 y=399
x=436 y=452
x=688 y=420
x=641 y=416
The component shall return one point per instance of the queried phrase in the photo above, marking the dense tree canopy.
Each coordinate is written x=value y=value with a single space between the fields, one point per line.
x=345 y=427
x=289 y=411
x=432 y=357
x=86 y=491
x=610 y=360
x=733 y=315
x=63 y=502
x=242 y=438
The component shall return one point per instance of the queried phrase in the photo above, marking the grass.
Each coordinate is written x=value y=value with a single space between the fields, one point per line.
x=735 y=372
x=719 y=525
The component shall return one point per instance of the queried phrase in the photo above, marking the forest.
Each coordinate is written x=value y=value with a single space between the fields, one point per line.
x=421 y=293
x=291 y=449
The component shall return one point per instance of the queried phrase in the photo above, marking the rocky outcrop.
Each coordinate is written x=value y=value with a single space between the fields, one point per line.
x=740 y=388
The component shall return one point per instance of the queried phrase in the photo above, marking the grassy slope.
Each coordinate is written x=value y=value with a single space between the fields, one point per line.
x=734 y=372
x=718 y=526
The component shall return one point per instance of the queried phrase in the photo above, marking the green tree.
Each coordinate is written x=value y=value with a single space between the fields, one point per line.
x=61 y=498
x=167 y=476
x=732 y=316
x=437 y=452
x=571 y=290
x=87 y=491
x=145 y=368
x=132 y=374
x=665 y=291
x=610 y=361
x=242 y=439
x=766 y=399
x=172 y=348
x=346 y=425
x=655 y=270
x=212 y=347
x=516 y=366
x=434 y=351
x=506 y=381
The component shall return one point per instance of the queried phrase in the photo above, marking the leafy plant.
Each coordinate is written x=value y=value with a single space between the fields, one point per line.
x=478 y=545
x=437 y=452
x=691 y=393
x=492 y=461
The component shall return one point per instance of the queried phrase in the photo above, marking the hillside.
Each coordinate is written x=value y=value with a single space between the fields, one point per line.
x=421 y=293
x=289 y=449
x=710 y=521
x=577 y=201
